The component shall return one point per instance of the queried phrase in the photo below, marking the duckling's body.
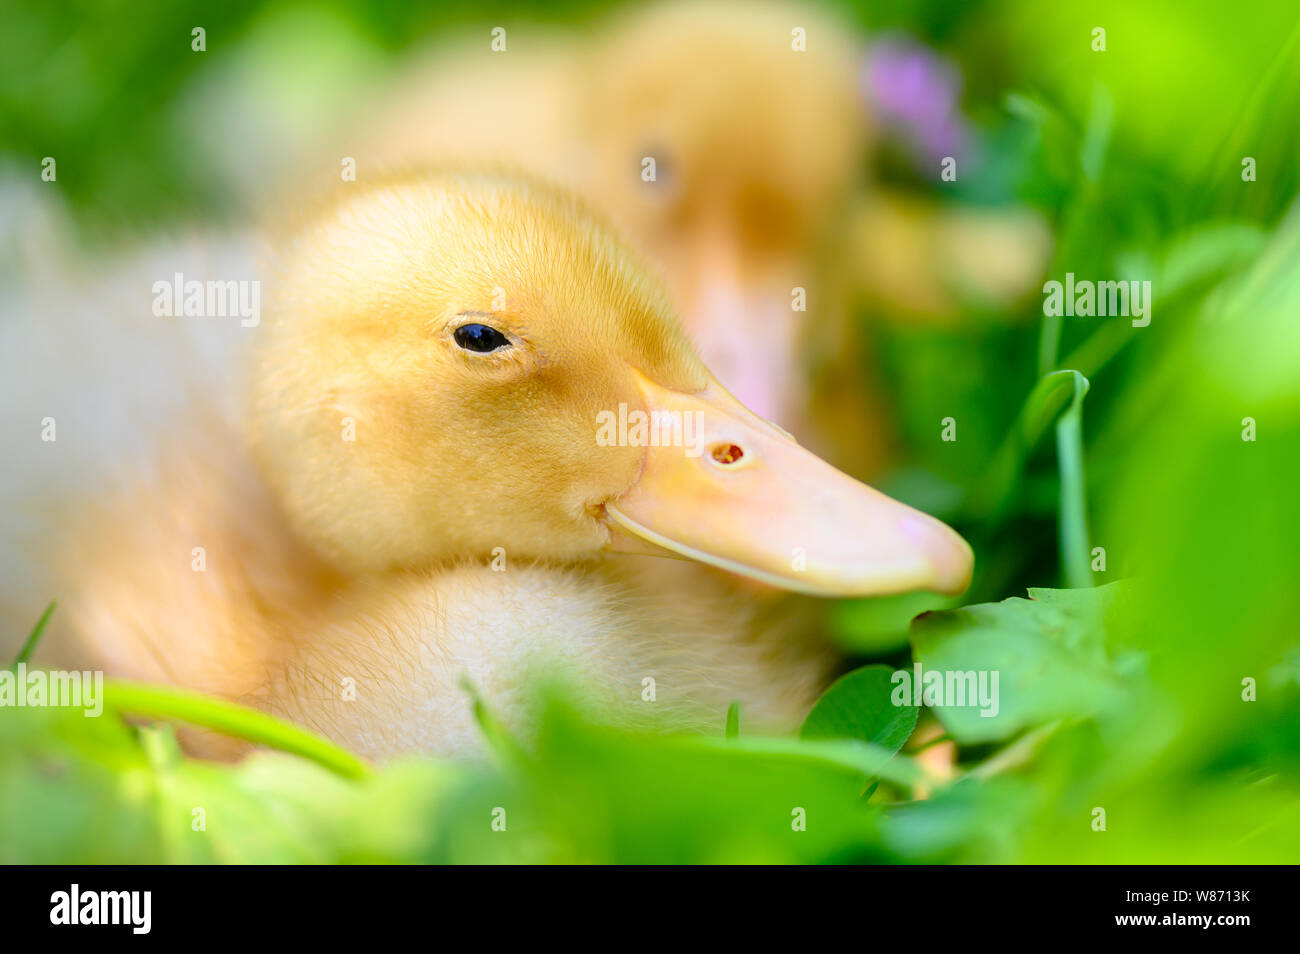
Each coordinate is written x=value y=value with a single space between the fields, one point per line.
x=415 y=493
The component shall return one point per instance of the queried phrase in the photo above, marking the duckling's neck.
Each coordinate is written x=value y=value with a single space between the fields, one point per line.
x=386 y=672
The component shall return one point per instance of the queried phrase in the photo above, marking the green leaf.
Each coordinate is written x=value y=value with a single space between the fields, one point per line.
x=859 y=706
x=604 y=794
x=850 y=757
x=880 y=625
x=1042 y=659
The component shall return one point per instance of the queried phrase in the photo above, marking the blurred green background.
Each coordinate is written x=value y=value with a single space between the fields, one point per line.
x=1127 y=698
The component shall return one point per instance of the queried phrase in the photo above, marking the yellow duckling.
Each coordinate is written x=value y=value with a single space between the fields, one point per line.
x=729 y=179
x=460 y=396
x=731 y=142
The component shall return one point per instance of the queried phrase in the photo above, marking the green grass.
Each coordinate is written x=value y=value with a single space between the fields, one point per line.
x=166 y=703
x=34 y=637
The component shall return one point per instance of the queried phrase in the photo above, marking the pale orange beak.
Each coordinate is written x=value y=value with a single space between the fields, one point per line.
x=739 y=493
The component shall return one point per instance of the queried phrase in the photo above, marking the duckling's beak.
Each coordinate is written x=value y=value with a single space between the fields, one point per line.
x=737 y=492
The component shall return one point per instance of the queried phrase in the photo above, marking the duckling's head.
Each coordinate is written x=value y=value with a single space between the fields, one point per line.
x=463 y=365
x=752 y=116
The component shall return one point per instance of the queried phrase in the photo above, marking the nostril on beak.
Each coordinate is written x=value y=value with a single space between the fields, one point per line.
x=726 y=453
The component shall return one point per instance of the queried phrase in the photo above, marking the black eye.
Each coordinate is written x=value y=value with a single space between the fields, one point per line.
x=480 y=338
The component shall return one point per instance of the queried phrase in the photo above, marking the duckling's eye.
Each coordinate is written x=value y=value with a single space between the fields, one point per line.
x=480 y=338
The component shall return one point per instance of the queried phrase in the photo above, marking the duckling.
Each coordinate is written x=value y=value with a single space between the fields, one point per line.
x=427 y=489
x=731 y=143
x=726 y=180
x=754 y=156
x=764 y=215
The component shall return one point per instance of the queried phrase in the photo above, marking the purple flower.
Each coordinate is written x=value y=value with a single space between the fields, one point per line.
x=917 y=92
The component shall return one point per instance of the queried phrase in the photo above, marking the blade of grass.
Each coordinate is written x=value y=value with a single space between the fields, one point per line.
x=29 y=647
x=498 y=738
x=1075 y=555
x=990 y=498
x=1256 y=124
x=166 y=702
x=1059 y=393
x=1076 y=232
